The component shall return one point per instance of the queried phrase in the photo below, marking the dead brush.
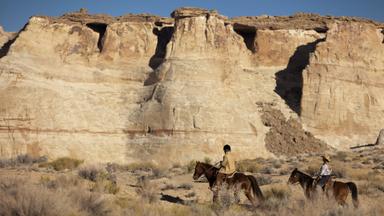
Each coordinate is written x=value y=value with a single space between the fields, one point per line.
x=19 y=197
x=154 y=170
x=251 y=166
x=24 y=159
x=92 y=203
x=104 y=181
x=190 y=167
x=146 y=190
x=226 y=197
x=61 y=181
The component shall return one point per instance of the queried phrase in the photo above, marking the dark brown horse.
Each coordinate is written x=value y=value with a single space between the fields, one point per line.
x=339 y=190
x=246 y=183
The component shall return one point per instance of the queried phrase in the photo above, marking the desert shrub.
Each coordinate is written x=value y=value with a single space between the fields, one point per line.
x=285 y=171
x=168 y=187
x=105 y=186
x=105 y=181
x=19 y=197
x=140 y=208
x=278 y=191
x=93 y=173
x=207 y=160
x=63 y=163
x=146 y=190
x=191 y=194
x=156 y=171
x=267 y=170
x=190 y=167
x=377 y=160
x=276 y=164
x=144 y=166
x=339 y=169
x=263 y=180
x=159 y=172
x=61 y=181
x=313 y=169
x=185 y=186
x=24 y=159
x=380 y=188
x=92 y=203
x=248 y=166
x=357 y=174
x=226 y=197
x=177 y=165
x=340 y=156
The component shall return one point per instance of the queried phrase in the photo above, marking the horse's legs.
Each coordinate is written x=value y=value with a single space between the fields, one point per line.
x=248 y=194
x=237 y=197
x=215 y=196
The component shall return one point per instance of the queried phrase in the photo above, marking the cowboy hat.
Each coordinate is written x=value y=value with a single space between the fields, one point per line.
x=325 y=157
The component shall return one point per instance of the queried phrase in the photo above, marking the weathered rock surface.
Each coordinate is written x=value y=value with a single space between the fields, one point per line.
x=5 y=39
x=342 y=86
x=380 y=138
x=167 y=90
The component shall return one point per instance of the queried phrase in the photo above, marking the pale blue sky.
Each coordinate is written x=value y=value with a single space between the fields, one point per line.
x=15 y=13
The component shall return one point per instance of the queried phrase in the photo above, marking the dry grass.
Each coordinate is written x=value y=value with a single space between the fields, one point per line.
x=88 y=190
x=278 y=191
x=19 y=196
x=147 y=190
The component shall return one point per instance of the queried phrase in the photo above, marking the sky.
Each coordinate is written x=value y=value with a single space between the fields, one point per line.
x=15 y=13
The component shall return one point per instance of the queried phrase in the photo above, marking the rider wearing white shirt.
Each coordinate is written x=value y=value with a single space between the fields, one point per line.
x=325 y=172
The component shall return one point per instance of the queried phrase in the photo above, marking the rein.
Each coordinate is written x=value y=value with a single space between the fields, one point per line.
x=206 y=170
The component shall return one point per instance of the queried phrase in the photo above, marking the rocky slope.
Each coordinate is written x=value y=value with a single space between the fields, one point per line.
x=171 y=90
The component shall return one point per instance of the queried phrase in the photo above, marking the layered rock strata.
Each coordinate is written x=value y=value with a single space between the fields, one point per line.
x=170 y=90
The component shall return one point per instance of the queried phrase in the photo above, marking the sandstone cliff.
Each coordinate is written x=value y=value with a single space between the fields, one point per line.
x=143 y=87
x=343 y=85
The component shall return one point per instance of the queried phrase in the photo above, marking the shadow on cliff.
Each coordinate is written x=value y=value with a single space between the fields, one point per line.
x=248 y=33
x=7 y=45
x=164 y=35
x=99 y=28
x=289 y=82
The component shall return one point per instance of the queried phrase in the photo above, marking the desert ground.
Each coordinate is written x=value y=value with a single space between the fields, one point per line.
x=33 y=186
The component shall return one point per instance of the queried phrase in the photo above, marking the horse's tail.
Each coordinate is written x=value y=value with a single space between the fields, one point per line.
x=256 y=188
x=353 y=189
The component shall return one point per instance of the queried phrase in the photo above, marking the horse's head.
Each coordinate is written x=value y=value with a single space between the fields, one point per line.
x=294 y=178
x=199 y=170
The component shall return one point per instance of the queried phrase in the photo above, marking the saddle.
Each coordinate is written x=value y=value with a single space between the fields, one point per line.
x=231 y=175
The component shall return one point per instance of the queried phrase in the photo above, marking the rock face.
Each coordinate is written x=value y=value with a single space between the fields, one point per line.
x=6 y=38
x=342 y=86
x=380 y=138
x=170 y=90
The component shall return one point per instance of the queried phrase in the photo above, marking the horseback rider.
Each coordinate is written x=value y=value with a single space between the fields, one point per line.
x=227 y=166
x=325 y=172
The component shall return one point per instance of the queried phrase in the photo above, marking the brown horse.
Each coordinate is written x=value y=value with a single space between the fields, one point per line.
x=339 y=190
x=246 y=183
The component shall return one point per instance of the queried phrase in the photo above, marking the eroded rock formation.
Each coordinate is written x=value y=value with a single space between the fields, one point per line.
x=343 y=84
x=167 y=90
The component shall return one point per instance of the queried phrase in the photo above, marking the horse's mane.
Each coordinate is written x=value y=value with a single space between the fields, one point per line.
x=304 y=174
